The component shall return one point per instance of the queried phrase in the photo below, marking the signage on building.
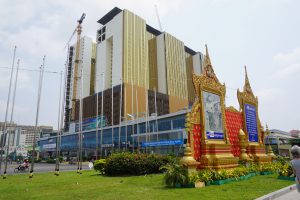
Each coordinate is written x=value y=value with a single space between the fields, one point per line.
x=251 y=123
x=49 y=146
x=107 y=145
x=162 y=143
x=90 y=123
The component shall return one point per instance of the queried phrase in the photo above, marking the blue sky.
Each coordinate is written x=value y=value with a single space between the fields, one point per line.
x=264 y=35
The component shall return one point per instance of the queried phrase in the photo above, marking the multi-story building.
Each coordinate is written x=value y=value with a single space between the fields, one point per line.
x=139 y=70
x=142 y=90
x=22 y=135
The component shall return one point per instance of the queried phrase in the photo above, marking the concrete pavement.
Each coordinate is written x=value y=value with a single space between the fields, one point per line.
x=287 y=193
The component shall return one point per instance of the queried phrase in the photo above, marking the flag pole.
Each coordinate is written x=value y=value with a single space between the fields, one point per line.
x=37 y=116
x=3 y=139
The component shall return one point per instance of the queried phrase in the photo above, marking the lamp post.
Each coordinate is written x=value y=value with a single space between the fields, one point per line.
x=132 y=131
x=102 y=97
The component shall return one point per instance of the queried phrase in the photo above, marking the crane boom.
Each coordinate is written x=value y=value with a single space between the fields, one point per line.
x=157 y=15
x=81 y=18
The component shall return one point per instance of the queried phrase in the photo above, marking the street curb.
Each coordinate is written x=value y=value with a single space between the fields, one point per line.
x=277 y=193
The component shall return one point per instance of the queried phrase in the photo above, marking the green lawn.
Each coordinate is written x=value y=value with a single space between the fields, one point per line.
x=89 y=185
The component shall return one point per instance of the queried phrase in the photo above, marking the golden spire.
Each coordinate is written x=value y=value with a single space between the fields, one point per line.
x=247 y=87
x=208 y=69
x=207 y=58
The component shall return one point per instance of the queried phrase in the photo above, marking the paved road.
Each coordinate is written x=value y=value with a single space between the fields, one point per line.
x=292 y=195
x=45 y=167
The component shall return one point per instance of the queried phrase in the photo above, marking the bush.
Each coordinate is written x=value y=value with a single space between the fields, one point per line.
x=134 y=164
x=268 y=167
x=220 y=174
x=175 y=174
x=50 y=160
x=194 y=177
x=286 y=170
x=205 y=175
x=253 y=167
x=282 y=160
x=99 y=165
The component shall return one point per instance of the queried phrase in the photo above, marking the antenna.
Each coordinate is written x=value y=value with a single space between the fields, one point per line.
x=157 y=15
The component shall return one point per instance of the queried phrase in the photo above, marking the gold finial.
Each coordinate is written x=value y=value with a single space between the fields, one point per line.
x=247 y=87
x=208 y=69
x=207 y=58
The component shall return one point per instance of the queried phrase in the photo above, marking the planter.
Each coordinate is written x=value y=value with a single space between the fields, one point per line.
x=218 y=182
x=190 y=185
x=208 y=183
x=230 y=180
x=177 y=185
x=247 y=176
x=288 y=178
x=266 y=173
x=199 y=184
x=252 y=174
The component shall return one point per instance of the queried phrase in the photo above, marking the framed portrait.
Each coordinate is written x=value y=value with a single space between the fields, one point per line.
x=213 y=115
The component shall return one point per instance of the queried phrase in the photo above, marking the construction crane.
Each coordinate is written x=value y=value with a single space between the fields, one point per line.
x=158 y=19
x=77 y=60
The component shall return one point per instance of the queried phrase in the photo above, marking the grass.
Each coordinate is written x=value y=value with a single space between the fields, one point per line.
x=89 y=185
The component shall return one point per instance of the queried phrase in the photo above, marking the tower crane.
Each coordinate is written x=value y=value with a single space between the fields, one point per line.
x=77 y=60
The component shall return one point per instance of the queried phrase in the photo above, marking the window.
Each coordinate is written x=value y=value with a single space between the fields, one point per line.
x=101 y=34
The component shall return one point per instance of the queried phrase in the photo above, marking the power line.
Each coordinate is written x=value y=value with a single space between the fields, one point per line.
x=33 y=70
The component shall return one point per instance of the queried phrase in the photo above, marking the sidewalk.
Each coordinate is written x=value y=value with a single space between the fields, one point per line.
x=287 y=193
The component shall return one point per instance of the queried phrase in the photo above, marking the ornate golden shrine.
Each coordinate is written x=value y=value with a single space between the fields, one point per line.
x=210 y=146
x=214 y=145
x=252 y=126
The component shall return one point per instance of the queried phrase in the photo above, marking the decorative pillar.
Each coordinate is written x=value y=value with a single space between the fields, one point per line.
x=188 y=160
x=243 y=146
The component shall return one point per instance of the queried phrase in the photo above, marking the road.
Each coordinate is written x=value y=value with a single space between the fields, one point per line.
x=44 y=167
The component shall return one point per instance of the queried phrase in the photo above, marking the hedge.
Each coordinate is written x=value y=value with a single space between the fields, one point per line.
x=135 y=164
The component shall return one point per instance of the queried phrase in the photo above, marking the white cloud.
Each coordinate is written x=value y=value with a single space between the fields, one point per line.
x=289 y=64
x=284 y=59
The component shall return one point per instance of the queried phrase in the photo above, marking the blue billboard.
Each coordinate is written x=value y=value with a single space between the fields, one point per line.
x=90 y=123
x=251 y=122
x=162 y=143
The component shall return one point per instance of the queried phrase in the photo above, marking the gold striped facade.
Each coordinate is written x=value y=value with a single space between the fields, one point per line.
x=135 y=100
x=153 y=79
x=189 y=74
x=135 y=50
x=175 y=67
x=93 y=63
